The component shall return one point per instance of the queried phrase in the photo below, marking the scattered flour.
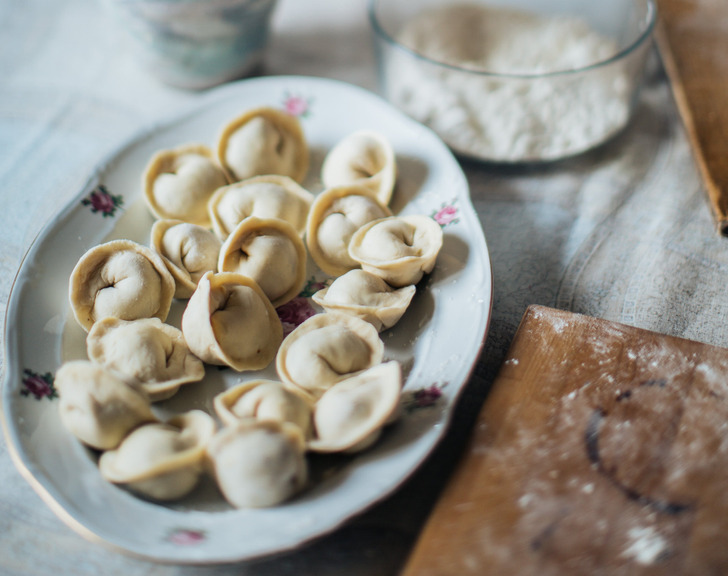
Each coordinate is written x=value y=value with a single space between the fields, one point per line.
x=525 y=500
x=509 y=119
x=645 y=547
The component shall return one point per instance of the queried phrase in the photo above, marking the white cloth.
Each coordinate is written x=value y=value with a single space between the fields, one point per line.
x=623 y=233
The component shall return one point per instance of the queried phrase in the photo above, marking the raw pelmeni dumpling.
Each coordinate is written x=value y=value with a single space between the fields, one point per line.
x=334 y=217
x=230 y=321
x=363 y=158
x=162 y=461
x=366 y=296
x=188 y=250
x=265 y=400
x=150 y=353
x=350 y=415
x=97 y=406
x=263 y=141
x=325 y=349
x=120 y=279
x=259 y=463
x=264 y=197
x=270 y=252
x=399 y=249
x=178 y=183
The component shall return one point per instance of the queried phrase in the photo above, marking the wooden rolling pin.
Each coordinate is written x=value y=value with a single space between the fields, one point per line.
x=692 y=36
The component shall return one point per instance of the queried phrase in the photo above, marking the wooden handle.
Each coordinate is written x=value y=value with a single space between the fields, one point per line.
x=693 y=40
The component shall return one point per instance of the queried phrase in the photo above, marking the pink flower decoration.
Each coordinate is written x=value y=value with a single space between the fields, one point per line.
x=311 y=287
x=446 y=215
x=294 y=313
x=296 y=106
x=38 y=385
x=101 y=201
x=184 y=537
x=424 y=397
x=427 y=396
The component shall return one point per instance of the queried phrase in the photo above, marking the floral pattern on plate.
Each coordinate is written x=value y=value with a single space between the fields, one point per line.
x=297 y=105
x=447 y=214
x=300 y=309
x=423 y=397
x=186 y=537
x=38 y=386
x=103 y=202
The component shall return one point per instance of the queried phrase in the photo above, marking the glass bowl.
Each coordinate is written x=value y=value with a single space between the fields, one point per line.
x=196 y=43
x=526 y=81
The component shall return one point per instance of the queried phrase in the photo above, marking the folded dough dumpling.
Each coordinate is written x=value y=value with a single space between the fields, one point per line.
x=148 y=352
x=230 y=321
x=399 y=249
x=188 y=250
x=120 y=279
x=325 y=349
x=265 y=400
x=263 y=141
x=259 y=463
x=269 y=196
x=163 y=461
x=270 y=252
x=98 y=406
x=349 y=417
x=334 y=217
x=366 y=296
x=179 y=182
x=363 y=158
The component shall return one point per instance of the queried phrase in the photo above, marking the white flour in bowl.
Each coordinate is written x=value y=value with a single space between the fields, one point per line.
x=509 y=119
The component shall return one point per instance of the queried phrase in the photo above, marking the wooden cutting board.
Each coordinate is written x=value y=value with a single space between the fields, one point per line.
x=692 y=36
x=602 y=449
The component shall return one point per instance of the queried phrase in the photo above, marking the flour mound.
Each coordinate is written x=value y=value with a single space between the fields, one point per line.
x=509 y=119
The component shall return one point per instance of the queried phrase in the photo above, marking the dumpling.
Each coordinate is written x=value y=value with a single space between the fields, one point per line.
x=230 y=321
x=271 y=253
x=399 y=249
x=97 y=406
x=363 y=158
x=325 y=349
x=366 y=296
x=263 y=141
x=178 y=183
x=120 y=279
x=265 y=400
x=334 y=217
x=163 y=461
x=350 y=415
x=188 y=250
x=259 y=463
x=265 y=197
x=150 y=353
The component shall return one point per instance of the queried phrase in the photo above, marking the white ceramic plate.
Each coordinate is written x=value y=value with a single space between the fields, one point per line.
x=438 y=340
